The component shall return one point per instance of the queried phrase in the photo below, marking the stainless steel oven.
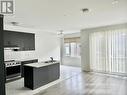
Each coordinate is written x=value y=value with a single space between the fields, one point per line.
x=13 y=69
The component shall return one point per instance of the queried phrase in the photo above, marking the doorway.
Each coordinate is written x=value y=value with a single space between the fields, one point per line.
x=71 y=52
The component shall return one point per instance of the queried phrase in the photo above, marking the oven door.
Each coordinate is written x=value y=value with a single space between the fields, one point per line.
x=13 y=71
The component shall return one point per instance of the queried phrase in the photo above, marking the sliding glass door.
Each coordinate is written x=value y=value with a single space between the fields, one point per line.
x=108 y=51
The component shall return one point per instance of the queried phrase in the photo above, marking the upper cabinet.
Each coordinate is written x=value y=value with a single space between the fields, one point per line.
x=25 y=41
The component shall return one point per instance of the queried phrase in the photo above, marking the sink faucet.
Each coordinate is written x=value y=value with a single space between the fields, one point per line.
x=51 y=59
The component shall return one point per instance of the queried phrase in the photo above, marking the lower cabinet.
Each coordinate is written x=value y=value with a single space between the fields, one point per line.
x=37 y=77
x=53 y=72
x=26 y=62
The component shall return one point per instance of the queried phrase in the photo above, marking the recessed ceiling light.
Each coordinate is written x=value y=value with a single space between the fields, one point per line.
x=115 y=2
x=84 y=10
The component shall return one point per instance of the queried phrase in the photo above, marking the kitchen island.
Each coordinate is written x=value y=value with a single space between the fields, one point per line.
x=39 y=74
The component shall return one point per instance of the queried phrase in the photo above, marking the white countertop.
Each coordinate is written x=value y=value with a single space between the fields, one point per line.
x=40 y=64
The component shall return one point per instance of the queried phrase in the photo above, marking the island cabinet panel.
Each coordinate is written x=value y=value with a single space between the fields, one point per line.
x=36 y=77
x=54 y=72
x=40 y=77
x=29 y=79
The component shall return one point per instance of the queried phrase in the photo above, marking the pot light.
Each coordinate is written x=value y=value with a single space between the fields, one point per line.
x=115 y=2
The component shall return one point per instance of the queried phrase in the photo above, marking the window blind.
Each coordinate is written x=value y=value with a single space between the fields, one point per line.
x=71 y=40
x=108 y=51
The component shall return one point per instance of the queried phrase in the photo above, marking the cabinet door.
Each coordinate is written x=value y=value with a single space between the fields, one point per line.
x=16 y=39
x=40 y=76
x=54 y=72
x=12 y=39
x=7 y=38
x=29 y=41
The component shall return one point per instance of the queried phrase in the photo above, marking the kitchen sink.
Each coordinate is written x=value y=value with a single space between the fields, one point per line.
x=50 y=61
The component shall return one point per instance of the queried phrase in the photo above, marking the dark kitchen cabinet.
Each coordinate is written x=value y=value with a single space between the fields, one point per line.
x=12 y=39
x=26 y=62
x=26 y=41
x=53 y=72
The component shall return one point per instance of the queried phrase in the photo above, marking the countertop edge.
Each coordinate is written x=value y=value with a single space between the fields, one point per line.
x=40 y=64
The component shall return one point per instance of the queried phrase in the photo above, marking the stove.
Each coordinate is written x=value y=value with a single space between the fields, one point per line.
x=13 y=69
x=12 y=63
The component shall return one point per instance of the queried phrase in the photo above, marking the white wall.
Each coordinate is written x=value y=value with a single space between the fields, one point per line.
x=85 y=64
x=46 y=45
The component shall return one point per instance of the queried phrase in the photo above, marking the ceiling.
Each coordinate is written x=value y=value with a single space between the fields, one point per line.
x=55 y=15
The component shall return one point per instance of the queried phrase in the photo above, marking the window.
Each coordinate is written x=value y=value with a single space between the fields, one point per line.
x=108 y=51
x=72 y=47
x=67 y=49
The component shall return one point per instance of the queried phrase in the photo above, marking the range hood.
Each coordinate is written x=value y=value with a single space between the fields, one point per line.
x=10 y=47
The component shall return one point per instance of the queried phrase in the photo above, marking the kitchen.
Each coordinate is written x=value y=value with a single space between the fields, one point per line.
x=63 y=47
x=21 y=48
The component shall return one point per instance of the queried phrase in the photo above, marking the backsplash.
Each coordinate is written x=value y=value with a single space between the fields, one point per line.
x=11 y=55
x=18 y=55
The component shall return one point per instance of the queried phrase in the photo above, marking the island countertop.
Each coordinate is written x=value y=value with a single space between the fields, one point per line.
x=40 y=64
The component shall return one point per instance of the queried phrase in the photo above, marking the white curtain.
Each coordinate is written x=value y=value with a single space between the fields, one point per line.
x=108 y=51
